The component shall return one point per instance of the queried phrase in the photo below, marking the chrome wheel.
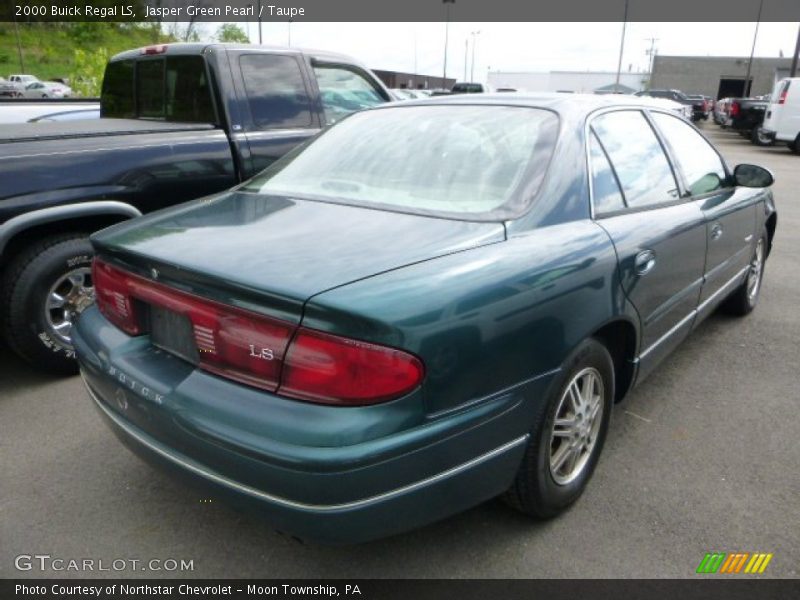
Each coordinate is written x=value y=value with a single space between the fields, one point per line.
x=67 y=298
x=756 y=267
x=576 y=426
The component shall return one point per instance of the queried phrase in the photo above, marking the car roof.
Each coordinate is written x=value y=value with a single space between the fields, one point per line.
x=575 y=104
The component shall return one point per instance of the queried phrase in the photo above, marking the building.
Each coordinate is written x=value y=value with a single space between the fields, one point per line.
x=403 y=81
x=586 y=82
x=718 y=76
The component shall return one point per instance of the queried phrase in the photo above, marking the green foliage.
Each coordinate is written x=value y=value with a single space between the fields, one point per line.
x=73 y=51
x=89 y=66
x=231 y=33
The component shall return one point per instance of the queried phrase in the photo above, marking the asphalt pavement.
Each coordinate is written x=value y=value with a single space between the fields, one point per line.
x=701 y=457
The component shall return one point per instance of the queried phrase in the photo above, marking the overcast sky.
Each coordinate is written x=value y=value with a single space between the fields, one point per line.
x=524 y=46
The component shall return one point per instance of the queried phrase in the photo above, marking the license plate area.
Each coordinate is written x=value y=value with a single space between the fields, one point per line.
x=174 y=333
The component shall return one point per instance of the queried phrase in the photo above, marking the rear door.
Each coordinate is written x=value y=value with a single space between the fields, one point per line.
x=659 y=235
x=730 y=213
x=277 y=112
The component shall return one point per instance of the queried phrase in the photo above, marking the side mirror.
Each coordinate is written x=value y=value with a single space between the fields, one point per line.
x=752 y=176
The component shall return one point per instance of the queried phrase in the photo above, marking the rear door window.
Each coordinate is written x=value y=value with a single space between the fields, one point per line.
x=344 y=90
x=606 y=195
x=276 y=92
x=637 y=157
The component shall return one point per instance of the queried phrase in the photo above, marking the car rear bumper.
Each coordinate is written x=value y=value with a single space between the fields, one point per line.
x=346 y=493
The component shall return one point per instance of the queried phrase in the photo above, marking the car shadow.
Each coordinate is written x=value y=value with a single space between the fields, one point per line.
x=16 y=374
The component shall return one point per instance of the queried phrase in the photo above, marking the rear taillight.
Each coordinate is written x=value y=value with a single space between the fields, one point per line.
x=330 y=369
x=734 y=110
x=112 y=294
x=255 y=349
x=784 y=92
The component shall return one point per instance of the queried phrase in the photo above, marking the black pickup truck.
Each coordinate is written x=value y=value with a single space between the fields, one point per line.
x=698 y=105
x=746 y=116
x=177 y=122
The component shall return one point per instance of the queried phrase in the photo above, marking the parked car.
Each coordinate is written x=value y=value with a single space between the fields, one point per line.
x=8 y=89
x=746 y=116
x=470 y=88
x=46 y=89
x=698 y=105
x=227 y=113
x=370 y=336
x=703 y=103
x=782 y=121
x=720 y=113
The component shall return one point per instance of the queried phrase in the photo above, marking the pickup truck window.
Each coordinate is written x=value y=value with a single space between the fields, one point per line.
x=276 y=91
x=173 y=89
x=344 y=91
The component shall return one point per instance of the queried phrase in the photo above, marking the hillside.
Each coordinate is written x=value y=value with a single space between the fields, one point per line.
x=71 y=50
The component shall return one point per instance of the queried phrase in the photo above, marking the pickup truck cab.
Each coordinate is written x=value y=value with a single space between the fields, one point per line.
x=178 y=122
x=782 y=120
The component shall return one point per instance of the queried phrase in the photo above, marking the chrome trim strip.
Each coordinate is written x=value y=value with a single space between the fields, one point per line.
x=693 y=313
x=721 y=290
x=664 y=337
x=206 y=473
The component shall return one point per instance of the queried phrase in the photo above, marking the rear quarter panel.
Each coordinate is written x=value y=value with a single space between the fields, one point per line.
x=485 y=319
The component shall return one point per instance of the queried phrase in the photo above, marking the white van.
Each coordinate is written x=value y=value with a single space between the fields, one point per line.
x=782 y=120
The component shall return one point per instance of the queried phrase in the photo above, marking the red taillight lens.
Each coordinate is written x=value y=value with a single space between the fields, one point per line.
x=112 y=294
x=252 y=348
x=329 y=369
x=782 y=98
x=150 y=50
x=734 y=109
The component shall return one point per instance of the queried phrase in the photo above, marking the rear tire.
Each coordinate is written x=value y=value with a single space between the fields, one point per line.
x=759 y=139
x=795 y=145
x=745 y=298
x=44 y=289
x=566 y=440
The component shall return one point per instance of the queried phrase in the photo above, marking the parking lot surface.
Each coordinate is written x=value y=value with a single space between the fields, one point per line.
x=701 y=457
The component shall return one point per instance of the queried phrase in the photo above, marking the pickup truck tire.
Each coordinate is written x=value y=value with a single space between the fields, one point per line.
x=758 y=137
x=44 y=289
x=795 y=145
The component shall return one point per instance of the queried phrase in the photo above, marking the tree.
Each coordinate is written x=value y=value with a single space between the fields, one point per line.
x=232 y=33
x=87 y=76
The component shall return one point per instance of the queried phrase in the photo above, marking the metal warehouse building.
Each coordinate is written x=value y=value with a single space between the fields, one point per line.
x=718 y=76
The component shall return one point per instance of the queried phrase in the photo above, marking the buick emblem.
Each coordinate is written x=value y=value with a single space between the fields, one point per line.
x=154 y=273
x=122 y=399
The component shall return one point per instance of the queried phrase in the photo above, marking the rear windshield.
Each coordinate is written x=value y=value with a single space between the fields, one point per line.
x=469 y=162
x=173 y=88
x=468 y=88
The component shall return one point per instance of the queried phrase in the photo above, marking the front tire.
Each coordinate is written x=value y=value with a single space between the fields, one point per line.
x=45 y=288
x=568 y=435
x=758 y=137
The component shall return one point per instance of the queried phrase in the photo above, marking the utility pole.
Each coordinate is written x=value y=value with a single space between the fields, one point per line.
x=793 y=70
x=289 y=32
x=19 y=46
x=652 y=54
x=747 y=85
x=474 y=35
x=447 y=4
x=621 y=45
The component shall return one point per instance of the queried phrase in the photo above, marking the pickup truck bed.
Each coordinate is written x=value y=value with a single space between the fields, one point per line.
x=178 y=122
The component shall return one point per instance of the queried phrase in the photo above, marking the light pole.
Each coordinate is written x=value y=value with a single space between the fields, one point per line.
x=289 y=33
x=474 y=35
x=652 y=54
x=247 y=24
x=747 y=86
x=466 y=52
x=793 y=70
x=260 y=39
x=621 y=45
x=447 y=4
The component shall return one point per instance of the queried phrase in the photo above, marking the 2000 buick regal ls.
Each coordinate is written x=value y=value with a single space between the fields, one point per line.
x=426 y=306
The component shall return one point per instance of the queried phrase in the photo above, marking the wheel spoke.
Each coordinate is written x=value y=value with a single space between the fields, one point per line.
x=575 y=396
x=63 y=327
x=561 y=455
x=55 y=300
x=76 y=278
x=563 y=428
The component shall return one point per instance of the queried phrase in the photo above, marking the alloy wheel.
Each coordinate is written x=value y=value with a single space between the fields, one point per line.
x=67 y=298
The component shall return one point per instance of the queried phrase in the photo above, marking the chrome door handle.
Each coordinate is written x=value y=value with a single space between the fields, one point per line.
x=716 y=231
x=644 y=262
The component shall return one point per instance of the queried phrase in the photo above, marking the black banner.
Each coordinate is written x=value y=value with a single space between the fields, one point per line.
x=397 y=10
x=388 y=589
